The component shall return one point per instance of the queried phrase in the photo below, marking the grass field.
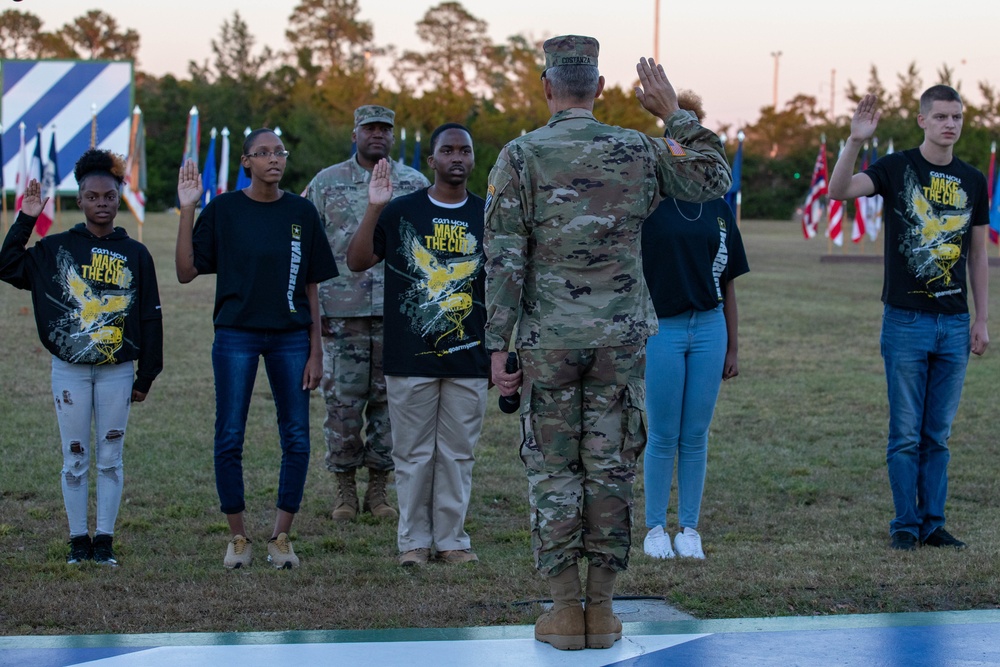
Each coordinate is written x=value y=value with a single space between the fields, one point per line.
x=794 y=520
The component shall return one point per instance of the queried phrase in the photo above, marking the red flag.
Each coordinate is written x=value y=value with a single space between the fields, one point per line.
x=858 y=231
x=860 y=208
x=813 y=209
x=836 y=229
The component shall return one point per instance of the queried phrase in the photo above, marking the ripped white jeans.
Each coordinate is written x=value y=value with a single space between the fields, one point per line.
x=102 y=395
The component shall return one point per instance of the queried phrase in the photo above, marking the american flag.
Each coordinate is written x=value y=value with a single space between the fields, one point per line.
x=860 y=208
x=835 y=230
x=813 y=209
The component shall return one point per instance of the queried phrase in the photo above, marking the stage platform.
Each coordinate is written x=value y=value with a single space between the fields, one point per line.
x=966 y=638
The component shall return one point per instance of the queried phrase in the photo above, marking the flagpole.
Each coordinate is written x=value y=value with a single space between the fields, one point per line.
x=740 y=136
x=93 y=126
x=3 y=194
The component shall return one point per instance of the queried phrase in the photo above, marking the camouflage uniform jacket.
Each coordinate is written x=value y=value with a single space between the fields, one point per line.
x=564 y=209
x=340 y=194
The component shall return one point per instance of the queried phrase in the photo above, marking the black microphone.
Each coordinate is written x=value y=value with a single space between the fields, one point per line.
x=510 y=404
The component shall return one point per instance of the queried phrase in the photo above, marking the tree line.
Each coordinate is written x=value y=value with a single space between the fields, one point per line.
x=328 y=68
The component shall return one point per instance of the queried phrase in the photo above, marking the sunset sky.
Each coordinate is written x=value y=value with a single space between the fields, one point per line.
x=720 y=48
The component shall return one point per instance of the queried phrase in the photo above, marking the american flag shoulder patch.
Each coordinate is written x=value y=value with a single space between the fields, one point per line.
x=675 y=148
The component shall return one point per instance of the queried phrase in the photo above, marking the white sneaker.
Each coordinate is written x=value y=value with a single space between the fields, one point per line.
x=688 y=544
x=657 y=544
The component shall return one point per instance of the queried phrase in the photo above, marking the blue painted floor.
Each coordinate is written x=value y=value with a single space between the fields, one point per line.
x=965 y=639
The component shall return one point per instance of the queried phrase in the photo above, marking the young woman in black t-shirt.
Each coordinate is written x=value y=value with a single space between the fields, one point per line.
x=269 y=252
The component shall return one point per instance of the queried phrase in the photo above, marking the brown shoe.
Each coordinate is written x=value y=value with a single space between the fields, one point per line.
x=563 y=626
x=375 y=496
x=345 y=504
x=603 y=627
x=414 y=557
x=458 y=556
x=565 y=629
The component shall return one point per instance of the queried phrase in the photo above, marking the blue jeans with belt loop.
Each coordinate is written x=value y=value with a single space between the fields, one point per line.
x=925 y=356
x=235 y=356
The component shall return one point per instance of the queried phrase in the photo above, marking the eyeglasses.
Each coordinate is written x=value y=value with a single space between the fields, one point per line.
x=284 y=154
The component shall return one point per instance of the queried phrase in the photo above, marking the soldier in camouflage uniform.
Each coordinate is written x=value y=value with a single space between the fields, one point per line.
x=564 y=208
x=351 y=308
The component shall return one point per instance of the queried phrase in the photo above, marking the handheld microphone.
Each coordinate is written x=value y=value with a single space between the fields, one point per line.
x=510 y=404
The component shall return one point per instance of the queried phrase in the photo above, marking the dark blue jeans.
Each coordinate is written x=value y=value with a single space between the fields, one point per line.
x=235 y=355
x=925 y=356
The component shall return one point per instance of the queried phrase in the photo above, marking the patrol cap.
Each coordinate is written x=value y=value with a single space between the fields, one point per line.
x=570 y=50
x=373 y=113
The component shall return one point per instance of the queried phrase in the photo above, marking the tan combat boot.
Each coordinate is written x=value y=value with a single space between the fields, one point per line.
x=603 y=627
x=345 y=504
x=563 y=626
x=375 y=500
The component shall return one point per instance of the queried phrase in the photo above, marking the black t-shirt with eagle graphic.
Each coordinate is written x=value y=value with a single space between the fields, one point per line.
x=435 y=312
x=929 y=214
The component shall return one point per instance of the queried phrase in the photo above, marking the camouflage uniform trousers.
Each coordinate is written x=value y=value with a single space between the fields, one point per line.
x=583 y=420
x=354 y=391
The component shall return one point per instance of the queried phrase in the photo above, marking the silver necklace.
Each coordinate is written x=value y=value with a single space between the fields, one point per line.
x=696 y=217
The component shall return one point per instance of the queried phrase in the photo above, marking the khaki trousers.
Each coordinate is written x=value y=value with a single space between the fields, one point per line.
x=436 y=424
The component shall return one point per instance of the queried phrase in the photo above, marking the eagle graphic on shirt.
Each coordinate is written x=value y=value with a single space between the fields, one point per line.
x=91 y=330
x=939 y=214
x=440 y=298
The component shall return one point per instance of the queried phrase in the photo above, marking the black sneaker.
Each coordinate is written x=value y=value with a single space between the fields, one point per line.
x=942 y=538
x=80 y=549
x=904 y=541
x=103 y=553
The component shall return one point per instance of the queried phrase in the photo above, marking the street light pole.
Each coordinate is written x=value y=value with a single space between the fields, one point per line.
x=776 y=55
x=656 y=32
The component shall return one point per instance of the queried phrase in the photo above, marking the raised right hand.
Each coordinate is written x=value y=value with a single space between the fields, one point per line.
x=32 y=204
x=380 y=186
x=865 y=118
x=189 y=188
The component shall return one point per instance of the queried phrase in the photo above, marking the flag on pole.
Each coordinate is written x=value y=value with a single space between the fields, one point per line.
x=860 y=207
x=22 y=173
x=223 y=184
x=416 y=152
x=134 y=192
x=995 y=211
x=813 y=209
x=992 y=192
x=3 y=193
x=192 y=137
x=208 y=173
x=734 y=191
x=402 y=146
x=242 y=179
x=835 y=228
x=50 y=176
x=93 y=126
x=873 y=212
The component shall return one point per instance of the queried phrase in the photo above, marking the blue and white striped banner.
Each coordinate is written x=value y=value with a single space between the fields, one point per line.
x=67 y=94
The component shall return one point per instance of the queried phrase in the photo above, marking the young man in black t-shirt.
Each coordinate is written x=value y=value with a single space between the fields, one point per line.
x=936 y=212
x=435 y=363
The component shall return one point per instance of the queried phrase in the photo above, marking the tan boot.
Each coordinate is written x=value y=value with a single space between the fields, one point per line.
x=345 y=504
x=375 y=500
x=603 y=627
x=563 y=626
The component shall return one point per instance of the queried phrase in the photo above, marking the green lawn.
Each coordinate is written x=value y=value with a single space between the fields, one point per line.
x=794 y=520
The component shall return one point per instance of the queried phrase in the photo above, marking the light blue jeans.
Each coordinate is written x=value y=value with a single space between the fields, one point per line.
x=98 y=396
x=925 y=356
x=684 y=363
